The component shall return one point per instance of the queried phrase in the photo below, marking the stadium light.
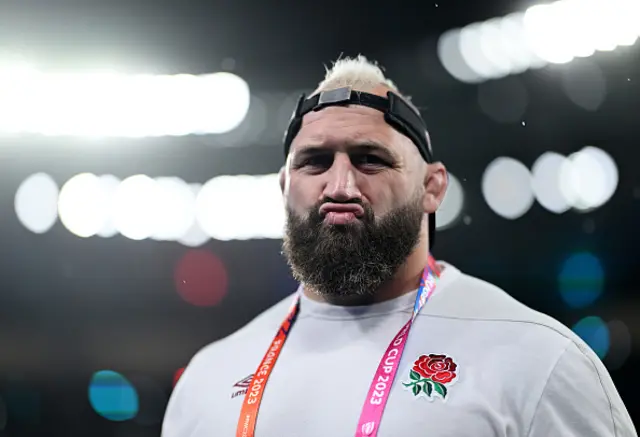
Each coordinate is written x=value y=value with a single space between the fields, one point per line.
x=113 y=105
x=553 y=33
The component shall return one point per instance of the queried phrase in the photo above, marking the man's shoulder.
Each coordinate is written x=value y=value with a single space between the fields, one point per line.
x=468 y=298
x=259 y=330
x=538 y=345
x=546 y=361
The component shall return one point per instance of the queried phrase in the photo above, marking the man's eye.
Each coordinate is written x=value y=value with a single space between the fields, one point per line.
x=369 y=160
x=317 y=161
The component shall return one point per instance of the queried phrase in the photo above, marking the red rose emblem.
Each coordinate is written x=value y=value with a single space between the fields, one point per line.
x=438 y=368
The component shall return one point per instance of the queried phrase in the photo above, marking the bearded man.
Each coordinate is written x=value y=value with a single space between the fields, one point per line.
x=381 y=339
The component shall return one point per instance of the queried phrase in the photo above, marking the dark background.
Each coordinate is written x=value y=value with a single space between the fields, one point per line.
x=71 y=306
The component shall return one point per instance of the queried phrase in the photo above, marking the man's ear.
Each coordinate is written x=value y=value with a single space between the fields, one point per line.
x=435 y=186
x=281 y=178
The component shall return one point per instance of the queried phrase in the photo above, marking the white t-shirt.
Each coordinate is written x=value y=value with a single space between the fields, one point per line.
x=508 y=371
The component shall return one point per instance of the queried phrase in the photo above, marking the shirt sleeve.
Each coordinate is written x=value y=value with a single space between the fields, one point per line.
x=580 y=400
x=176 y=421
x=180 y=417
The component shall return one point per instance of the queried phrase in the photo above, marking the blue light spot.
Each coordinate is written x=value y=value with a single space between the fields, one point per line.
x=112 y=396
x=594 y=331
x=581 y=280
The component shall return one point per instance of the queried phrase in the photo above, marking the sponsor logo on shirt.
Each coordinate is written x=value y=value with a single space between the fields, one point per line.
x=243 y=385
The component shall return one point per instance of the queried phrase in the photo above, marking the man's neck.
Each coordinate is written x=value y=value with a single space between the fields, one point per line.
x=406 y=280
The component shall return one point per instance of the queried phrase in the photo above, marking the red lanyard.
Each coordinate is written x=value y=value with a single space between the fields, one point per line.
x=376 y=399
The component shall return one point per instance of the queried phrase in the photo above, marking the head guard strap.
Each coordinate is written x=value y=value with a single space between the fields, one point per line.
x=397 y=113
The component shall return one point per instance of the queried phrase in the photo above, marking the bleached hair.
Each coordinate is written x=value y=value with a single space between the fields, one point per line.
x=359 y=73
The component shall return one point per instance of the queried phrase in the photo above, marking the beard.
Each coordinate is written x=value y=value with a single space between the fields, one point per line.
x=342 y=261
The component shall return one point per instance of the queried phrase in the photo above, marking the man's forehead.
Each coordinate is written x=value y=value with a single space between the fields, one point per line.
x=359 y=142
x=344 y=127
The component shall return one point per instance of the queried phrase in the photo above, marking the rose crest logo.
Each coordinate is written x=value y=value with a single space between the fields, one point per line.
x=431 y=374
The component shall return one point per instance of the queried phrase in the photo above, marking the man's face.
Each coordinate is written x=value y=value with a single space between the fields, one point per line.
x=354 y=198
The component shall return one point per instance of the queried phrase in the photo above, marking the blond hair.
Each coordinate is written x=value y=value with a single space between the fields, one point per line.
x=360 y=74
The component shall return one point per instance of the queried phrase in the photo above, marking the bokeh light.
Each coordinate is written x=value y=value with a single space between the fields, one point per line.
x=581 y=279
x=241 y=207
x=195 y=236
x=81 y=208
x=162 y=208
x=201 y=278
x=108 y=185
x=594 y=331
x=135 y=206
x=609 y=180
x=177 y=375
x=451 y=57
x=553 y=33
x=223 y=103
x=175 y=210
x=545 y=181
x=548 y=45
x=112 y=396
x=36 y=203
x=506 y=186
x=91 y=104
x=584 y=181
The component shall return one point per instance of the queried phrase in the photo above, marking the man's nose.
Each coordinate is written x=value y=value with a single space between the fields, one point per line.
x=341 y=184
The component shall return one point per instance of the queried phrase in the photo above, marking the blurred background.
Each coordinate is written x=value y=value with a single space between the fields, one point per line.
x=140 y=215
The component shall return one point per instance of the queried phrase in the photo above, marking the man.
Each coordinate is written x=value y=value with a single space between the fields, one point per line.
x=342 y=357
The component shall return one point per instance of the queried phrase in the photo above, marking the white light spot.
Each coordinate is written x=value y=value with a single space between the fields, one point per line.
x=545 y=28
x=224 y=211
x=223 y=102
x=546 y=182
x=588 y=178
x=195 y=236
x=108 y=185
x=81 y=207
x=506 y=186
x=452 y=60
x=608 y=166
x=176 y=209
x=91 y=105
x=36 y=203
x=135 y=206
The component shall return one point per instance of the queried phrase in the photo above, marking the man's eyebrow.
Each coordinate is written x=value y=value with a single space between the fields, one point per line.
x=355 y=147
